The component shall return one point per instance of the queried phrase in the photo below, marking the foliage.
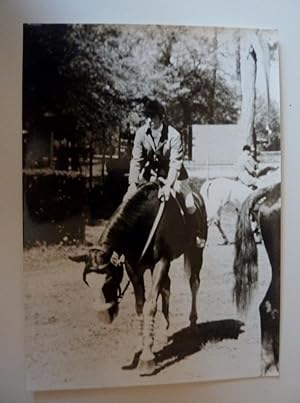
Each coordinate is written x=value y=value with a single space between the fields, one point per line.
x=94 y=77
x=44 y=87
x=193 y=83
x=53 y=206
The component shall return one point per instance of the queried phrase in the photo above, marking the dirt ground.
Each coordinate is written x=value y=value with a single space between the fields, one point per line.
x=67 y=347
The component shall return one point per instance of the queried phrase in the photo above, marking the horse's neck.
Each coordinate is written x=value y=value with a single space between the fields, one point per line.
x=128 y=230
x=118 y=236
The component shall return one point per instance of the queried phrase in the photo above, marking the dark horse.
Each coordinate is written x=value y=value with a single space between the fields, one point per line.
x=268 y=203
x=121 y=246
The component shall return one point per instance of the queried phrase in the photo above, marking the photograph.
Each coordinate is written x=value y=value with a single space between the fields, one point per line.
x=151 y=204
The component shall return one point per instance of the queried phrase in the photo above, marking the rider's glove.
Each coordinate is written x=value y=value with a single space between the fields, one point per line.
x=132 y=188
x=164 y=192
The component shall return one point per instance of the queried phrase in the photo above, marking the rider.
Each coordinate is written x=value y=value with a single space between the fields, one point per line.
x=247 y=168
x=159 y=145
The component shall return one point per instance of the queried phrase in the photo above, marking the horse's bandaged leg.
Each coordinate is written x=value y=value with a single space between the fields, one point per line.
x=139 y=345
x=148 y=331
x=150 y=308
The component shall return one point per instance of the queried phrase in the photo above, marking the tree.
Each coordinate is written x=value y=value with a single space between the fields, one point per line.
x=45 y=53
x=193 y=84
x=98 y=76
x=254 y=51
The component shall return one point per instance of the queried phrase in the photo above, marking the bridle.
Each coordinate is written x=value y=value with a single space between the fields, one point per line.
x=117 y=261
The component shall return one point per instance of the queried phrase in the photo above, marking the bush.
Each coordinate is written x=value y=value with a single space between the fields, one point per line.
x=53 y=205
x=104 y=199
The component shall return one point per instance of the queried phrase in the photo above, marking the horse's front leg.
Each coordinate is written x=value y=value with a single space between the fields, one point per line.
x=149 y=311
x=139 y=291
x=138 y=284
x=139 y=294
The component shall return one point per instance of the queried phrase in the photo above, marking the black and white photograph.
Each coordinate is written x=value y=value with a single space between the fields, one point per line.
x=151 y=204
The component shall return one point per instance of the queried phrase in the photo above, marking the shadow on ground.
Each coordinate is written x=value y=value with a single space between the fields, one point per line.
x=189 y=341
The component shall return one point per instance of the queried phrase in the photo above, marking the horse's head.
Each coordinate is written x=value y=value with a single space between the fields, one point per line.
x=103 y=273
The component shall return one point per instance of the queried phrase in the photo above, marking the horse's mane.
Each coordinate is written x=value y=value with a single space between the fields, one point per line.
x=128 y=213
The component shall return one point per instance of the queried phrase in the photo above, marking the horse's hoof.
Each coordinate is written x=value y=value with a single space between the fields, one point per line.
x=224 y=243
x=193 y=328
x=133 y=363
x=146 y=367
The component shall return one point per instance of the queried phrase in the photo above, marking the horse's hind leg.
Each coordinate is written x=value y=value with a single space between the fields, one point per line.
x=269 y=319
x=269 y=337
x=165 y=297
x=270 y=306
x=193 y=263
x=139 y=291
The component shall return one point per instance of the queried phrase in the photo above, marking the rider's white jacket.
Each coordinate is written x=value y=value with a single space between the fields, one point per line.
x=246 y=169
x=168 y=152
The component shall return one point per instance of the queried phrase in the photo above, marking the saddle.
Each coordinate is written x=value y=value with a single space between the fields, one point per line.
x=193 y=222
x=252 y=187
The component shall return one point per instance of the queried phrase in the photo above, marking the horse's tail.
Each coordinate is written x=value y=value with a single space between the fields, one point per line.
x=245 y=261
x=201 y=211
x=204 y=191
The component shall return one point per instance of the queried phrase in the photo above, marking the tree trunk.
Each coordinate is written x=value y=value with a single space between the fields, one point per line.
x=211 y=102
x=51 y=150
x=248 y=80
x=103 y=159
x=119 y=141
x=91 y=154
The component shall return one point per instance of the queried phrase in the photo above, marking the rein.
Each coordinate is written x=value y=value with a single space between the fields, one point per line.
x=117 y=261
x=154 y=228
x=158 y=217
x=122 y=293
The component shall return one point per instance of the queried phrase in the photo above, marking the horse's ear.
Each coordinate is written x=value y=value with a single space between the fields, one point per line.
x=79 y=258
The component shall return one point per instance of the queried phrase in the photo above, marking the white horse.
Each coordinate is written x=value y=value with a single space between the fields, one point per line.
x=219 y=192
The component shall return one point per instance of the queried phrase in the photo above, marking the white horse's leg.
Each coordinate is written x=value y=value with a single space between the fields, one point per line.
x=217 y=222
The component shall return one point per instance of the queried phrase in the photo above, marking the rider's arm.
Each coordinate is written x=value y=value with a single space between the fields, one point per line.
x=137 y=157
x=176 y=156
